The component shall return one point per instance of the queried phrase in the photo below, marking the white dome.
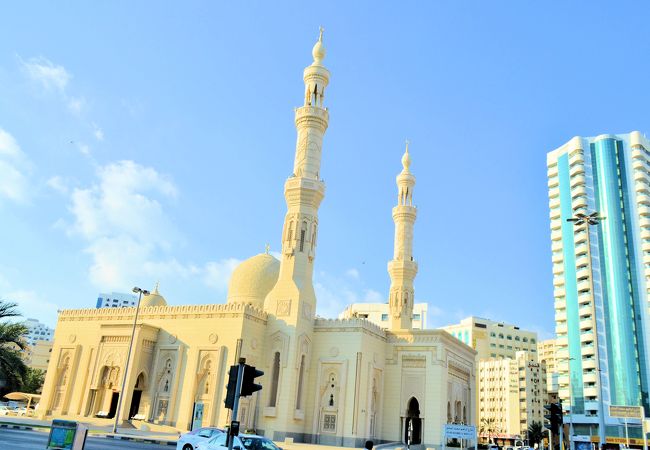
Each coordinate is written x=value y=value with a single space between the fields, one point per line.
x=153 y=299
x=253 y=279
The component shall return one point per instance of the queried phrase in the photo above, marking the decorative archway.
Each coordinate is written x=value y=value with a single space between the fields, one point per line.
x=413 y=421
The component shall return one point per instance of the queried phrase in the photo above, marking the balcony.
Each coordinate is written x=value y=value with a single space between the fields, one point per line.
x=559 y=292
x=583 y=272
x=577 y=169
x=584 y=285
x=553 y=202
x=644 y=210
x=590 y=378
x=559 y=268
x=557 y=257
x=556 y=235
x=589 y=364
x=553 y=182
x=552 y=171
x=586 y=336
x=578 y=180
x=590 y=391
x=561 y=327
x=558 y=281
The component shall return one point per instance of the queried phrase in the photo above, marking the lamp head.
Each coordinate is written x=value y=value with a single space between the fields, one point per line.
x=137 y=290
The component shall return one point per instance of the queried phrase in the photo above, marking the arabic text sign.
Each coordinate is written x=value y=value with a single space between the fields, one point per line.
x=460 y=431
x=626 y=412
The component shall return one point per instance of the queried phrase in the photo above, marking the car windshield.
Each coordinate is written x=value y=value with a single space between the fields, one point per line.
x=258 y=443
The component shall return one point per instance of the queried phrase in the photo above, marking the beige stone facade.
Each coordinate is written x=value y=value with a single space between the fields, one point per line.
x=512 y=394
x=378 y=314
x=38 y=355
x=336 y=381
x=494 y=339
x=546 y=354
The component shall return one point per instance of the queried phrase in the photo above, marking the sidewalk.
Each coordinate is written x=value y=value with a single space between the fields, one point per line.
x=95 y=430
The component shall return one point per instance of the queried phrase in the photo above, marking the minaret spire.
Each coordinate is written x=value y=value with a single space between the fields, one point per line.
x=403 y=268
x=291 y=304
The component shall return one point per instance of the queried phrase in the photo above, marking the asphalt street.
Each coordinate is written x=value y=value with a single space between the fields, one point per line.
x=36 y=440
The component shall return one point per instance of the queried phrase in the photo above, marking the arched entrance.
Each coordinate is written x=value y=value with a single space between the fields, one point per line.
x=413 y=419
x=137 y=396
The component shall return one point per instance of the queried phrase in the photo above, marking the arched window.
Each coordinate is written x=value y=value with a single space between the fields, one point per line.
x=301 y=374
x=275 y=377
x=303 y=233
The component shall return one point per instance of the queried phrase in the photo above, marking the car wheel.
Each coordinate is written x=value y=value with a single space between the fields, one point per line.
x=188 y=447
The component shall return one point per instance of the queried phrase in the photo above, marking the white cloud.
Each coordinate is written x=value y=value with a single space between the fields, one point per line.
x=128 y=234
x=32 y=305
x=47 y=74
x=98 y=132
x=76 y=104
x=58 y=184
x=217 y=273
x=121 y=218
x=352 y=273
x=334 y=293
x=14 y=168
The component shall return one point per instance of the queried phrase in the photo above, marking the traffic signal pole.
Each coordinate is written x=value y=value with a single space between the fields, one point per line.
x=235 y=408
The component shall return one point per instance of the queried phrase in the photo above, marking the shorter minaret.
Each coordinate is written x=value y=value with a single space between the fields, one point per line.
x=403 y=268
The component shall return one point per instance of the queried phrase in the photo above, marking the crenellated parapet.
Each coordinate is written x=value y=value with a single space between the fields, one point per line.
x=179 y=312
x=352 y=324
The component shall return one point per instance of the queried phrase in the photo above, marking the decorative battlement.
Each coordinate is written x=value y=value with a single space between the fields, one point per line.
x=185 y=311
x=322 y=324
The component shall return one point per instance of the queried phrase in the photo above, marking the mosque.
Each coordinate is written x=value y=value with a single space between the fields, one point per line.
x=327 y=381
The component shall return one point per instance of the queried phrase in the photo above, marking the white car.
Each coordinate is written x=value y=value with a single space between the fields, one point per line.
x=5 y=410
x=189 y=440
x=242 y=442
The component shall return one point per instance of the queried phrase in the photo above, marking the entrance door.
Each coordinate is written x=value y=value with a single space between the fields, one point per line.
x=135 y=403
x=113 y=408
x=413 y=421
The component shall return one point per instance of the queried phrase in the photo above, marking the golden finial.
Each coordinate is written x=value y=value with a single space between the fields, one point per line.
x=406 y=159
x=155 y=289
x=320 y=37
x=267 y=248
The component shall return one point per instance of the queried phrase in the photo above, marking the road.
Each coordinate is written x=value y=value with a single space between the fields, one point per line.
x=36 y=440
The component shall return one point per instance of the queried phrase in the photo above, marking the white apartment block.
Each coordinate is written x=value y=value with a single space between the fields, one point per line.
x=546 y=354
x=116 y=300
x=378 y=313
x=511 y=393
x=494 y=339
x=37 y=331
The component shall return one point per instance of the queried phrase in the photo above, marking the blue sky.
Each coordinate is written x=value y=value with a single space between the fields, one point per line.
x=146 y=141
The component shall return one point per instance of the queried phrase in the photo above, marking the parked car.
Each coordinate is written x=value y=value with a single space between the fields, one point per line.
x=23 y=411
x=492 y=447
x=189 y=440
x=5 y=410
x=242 y=442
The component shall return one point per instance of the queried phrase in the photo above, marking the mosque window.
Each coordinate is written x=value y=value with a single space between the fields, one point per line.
x=329 y=423
x=303 y=235
x=384 y=317
x=274 y=380
x=301 y=374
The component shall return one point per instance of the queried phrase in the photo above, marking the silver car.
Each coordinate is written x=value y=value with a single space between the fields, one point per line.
x=242 y=442
x=188 y=441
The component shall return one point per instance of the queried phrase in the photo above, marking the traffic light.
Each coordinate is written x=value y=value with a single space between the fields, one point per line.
x=555 y=417
x=232 y=386
x=248 y=385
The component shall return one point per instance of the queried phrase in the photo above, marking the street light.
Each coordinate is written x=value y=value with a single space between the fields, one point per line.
x=138 y=291
x=588 y=220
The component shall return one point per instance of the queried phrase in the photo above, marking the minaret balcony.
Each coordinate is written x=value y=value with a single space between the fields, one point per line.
x=315 y=114
x=400 y=268
x=404 y=213
x=301 y=190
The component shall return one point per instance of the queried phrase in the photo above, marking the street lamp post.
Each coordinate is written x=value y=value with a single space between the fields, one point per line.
x=571 y=407
x=138 y=291
x=589 y=220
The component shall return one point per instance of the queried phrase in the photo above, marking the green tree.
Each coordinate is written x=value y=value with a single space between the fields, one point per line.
x=33 y=381
x=535 y=433
x=12 y=367
x=489 y=426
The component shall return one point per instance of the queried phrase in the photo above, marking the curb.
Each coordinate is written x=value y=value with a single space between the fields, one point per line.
x=105 y=436
x=138 y=439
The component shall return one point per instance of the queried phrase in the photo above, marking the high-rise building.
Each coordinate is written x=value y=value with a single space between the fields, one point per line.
x=601 y=268
x=37 y=331
x=512 y=393
x=378 y=313
x=493 y=339
x=38 y=355
x=116 y=300
x=546 y=355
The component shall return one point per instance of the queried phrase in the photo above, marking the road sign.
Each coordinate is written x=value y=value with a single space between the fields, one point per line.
x=626 y=412
x=460 y=431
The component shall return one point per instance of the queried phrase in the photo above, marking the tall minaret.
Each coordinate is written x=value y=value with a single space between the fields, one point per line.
x=304 y=190
x=291 y=304
x=403 y=268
